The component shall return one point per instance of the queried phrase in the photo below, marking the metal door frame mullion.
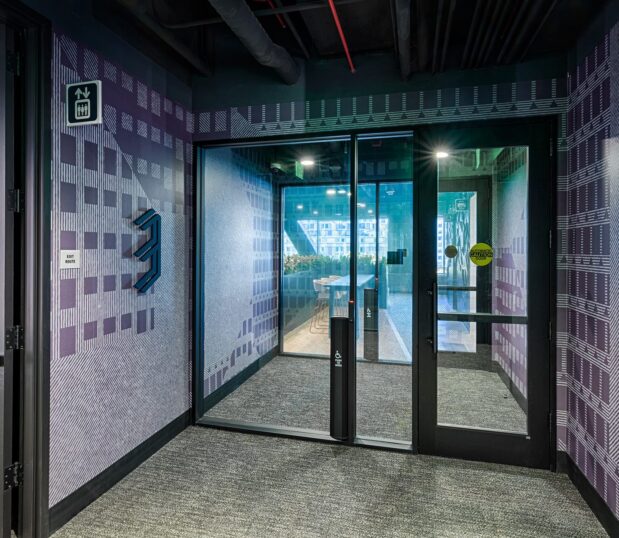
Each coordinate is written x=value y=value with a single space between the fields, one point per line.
x=352 y=294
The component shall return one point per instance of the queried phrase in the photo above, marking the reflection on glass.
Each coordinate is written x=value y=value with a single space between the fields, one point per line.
x=316 y=264
x=482 y=331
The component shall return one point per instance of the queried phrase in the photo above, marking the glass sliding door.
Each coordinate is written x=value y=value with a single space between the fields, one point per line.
x=385 y=287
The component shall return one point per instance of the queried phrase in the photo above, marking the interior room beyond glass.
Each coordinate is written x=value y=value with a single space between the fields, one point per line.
x=279 y=241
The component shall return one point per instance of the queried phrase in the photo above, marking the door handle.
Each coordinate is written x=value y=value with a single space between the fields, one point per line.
x=432 y=340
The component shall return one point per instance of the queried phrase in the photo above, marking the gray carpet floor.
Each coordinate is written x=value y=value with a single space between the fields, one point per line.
x=294 y=392
x=210 y=483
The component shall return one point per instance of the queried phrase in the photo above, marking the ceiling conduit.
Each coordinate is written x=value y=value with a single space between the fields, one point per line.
x=242 y=21
x=340 y=31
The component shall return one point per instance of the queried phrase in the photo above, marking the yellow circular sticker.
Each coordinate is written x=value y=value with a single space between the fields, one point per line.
x=481 y=254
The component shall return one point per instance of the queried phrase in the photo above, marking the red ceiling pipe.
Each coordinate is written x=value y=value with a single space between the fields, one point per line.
x=342 y=36
x=272 y=6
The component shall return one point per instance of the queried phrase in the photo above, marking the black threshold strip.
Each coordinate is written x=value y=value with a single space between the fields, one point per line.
x=302 y=434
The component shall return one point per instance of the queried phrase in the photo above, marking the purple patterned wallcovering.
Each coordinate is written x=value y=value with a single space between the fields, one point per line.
x=119 y=362
x=591 y=364
x=241 y=262
x=509 y=269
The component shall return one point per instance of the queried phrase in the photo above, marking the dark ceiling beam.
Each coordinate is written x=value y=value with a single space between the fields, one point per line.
x=490 y=29
x=550 y=9
x=527 y=28
x=252 y=34
x=506 y=8
x=293 y=30
x=437 y=31
x=139 y=9
x=507 y=42
x=403 y=33
x=450 y=13
x=482 y=30
x=469 y=38
x=423 y=37
x=296 y=8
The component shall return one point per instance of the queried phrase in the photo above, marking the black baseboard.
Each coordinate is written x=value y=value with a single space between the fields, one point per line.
x=70 y=506
x=229 y=387
x=590 y=495
x=561 y=462
x=515 y=391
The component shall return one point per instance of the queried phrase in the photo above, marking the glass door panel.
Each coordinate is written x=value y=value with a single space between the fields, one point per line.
x=482 y=268
x=275 y=223
x=385 y=287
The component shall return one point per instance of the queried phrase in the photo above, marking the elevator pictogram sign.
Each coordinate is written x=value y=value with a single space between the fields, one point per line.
x=83 y=103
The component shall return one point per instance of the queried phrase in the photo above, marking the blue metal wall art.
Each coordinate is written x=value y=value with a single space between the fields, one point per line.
x=149 y=250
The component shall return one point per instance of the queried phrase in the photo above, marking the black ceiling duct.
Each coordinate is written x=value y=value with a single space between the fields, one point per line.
x=245 y=25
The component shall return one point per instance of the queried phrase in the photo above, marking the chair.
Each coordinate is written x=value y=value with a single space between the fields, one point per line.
x=319 y=322
x=339 y=308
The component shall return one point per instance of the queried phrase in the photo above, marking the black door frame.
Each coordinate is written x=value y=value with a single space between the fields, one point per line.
x=32 y=69
x=423 y=440
x=538 y=448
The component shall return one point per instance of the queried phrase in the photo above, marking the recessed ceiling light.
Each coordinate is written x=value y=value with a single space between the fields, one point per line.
x=308 y=162
x=370 y=211
x=442 y=154
x=361 y=204
x=341 y=191
x=331 y=192
x=314 y=212
x=300 y=206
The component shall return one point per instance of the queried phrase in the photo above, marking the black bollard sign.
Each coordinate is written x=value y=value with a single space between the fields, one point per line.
x=340 y=366
x=370 y=324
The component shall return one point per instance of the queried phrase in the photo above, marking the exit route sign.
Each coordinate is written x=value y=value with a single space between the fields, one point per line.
x=83 y=103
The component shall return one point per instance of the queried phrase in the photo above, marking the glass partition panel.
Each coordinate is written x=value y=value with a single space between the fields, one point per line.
x=385 y=287
x=276 y=250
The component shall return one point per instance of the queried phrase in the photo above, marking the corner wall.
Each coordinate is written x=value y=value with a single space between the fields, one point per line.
x=119 y=360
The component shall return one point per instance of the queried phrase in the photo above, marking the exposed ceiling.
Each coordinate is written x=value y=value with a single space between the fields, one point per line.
x=425 y=35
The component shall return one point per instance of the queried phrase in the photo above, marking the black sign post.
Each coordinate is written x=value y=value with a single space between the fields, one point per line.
x=370 y=324
x=340 y=368
x=83 y=103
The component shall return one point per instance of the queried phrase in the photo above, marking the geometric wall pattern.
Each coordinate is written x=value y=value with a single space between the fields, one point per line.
x=509 y=268
x=591 y=362
x=242 y=312
x=119 y=367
